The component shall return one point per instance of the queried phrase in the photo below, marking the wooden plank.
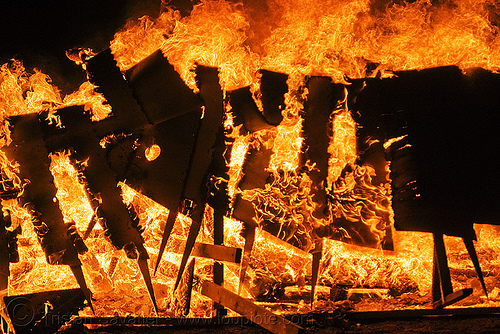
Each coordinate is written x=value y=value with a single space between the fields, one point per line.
x=217 y=252
x=441 y=280
x=249 y=240
x=317 y=254
x=257 y=314
x=452 y=298
x=220 y=311
x=144 y=268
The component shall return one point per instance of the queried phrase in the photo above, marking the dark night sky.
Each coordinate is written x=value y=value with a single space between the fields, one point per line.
x=39 y=32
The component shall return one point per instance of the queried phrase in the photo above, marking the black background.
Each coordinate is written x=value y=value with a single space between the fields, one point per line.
x=40 y=32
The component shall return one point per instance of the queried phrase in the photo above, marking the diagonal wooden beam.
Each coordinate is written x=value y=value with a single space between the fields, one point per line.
x=257 y=314
x=143 y=266
x=78 y=273
x=166 y=234
x=182 y=296
x=473 y=256
x=193 y=234
x=317 y=253
x=247 y=252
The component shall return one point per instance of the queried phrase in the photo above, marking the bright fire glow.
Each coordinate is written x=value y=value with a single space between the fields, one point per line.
x=300 y=38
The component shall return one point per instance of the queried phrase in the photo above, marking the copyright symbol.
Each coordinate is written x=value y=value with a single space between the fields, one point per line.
x=21 y=311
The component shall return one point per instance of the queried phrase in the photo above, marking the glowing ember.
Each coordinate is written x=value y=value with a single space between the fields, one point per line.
x=153 y=152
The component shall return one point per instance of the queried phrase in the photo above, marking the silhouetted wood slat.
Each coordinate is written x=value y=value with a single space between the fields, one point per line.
x=159 y=89
x=442 y=289
x=255 y=176
x=469 y=244
x=77 y=137
x=440 y=172
x=104 y=73
x=416 y=314
x=220 y=311
x=28 y=149
x=4 y=250
x=259 y=315
x=317 y=253
x=217 y=252
x=273 y=87
x=320 y=104
x=198 y=175
x=246 y=112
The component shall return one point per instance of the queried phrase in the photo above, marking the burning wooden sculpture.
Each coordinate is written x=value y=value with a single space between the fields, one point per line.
x=154 y=110
x=173 y=143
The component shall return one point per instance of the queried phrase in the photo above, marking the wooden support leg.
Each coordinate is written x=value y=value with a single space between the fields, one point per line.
x=172 y=215
x=182 y=296
x=196 y=218
x=442 y=289
x=247 y=251
x=78 y=273
x=317 y=254
x=473 y=256
x=220 y=311
x=143 y=266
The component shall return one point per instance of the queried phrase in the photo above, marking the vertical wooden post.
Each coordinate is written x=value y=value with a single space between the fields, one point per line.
x=220 y=311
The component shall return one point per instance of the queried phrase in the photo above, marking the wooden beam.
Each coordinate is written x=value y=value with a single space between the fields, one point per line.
x=217 y=252
x=249 y=240
x=317 y=253
x=452 y=298
x=257 y=314
x=473 y=256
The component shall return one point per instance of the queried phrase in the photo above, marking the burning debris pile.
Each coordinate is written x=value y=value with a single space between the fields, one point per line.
x=212 y=161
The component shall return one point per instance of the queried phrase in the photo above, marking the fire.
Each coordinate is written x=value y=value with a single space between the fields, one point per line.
x=334 y=38
x=86 y=95
x=338 y=39
x=21 y=93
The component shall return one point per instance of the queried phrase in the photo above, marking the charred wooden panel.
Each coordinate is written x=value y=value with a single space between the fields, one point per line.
x=28 y=149
x=163 y=178
x=79 y=138
x=195 y=189
x=159 y=89
x=245 y=111
x=273 y=87
x=321 y=101
x=443 y=178
x=104 y=73
x=210 y=91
